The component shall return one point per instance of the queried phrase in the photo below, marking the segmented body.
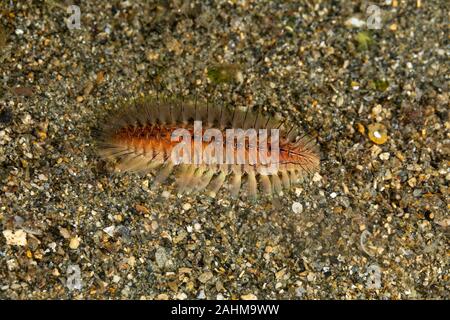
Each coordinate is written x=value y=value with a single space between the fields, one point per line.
x=140 y=138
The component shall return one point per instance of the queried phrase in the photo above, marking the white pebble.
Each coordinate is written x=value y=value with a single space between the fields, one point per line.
x=297 y=207
x=186 y=206
x=377 y=109
x=317 y=177
x=18 y=238
x=201 y=295
x=165 y=194
x=26 y=119
x=384 y=156
x=181 y=296
x=109 y=230
x=355 y=22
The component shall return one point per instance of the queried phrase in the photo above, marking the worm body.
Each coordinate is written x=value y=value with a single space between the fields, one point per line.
x=204 y=146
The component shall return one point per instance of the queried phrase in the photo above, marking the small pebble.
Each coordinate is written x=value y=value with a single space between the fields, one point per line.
x=317 y=177
x=161 y=257
x=16 y=238
x=74 y=243
x=384 y=156
x=186 y=206
x=165 y=194
x=110 y=230
x=201 y=295
x=181 y=296
x=297 y=207
x=205 y=277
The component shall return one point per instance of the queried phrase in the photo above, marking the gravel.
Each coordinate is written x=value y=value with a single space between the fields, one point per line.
x=373 y=223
